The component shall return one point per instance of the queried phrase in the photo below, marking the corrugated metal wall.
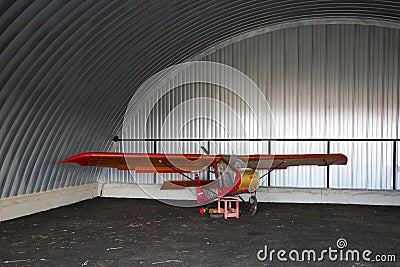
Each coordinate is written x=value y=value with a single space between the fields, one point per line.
x=69 y=67
x=321 y=81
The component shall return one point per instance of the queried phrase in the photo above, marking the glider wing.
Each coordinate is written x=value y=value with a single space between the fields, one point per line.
x=272 y=162
x=173 y=163
x=144 y=163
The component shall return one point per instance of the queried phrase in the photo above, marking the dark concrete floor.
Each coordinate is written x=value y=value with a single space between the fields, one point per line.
x=133 y=232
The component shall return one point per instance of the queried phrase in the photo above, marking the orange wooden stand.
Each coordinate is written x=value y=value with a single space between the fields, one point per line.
x=228 y=210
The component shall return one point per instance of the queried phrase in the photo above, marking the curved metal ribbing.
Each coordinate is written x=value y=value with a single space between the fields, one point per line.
x=68 y=69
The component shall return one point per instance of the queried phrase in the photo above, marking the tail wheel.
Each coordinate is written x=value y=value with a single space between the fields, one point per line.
x=253 y=205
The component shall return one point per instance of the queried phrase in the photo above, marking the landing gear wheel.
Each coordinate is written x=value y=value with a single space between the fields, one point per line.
x=253 y=205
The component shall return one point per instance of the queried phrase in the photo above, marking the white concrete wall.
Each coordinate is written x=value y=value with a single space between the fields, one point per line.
x=264 y=194
x=19 y=206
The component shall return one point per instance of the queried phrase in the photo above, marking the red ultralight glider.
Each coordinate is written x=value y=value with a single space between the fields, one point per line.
x=234 y=174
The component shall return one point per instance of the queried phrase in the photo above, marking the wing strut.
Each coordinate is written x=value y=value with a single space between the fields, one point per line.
x=273 y=169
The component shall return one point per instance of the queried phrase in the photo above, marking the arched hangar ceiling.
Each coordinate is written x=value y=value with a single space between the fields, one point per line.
x=68 y=68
